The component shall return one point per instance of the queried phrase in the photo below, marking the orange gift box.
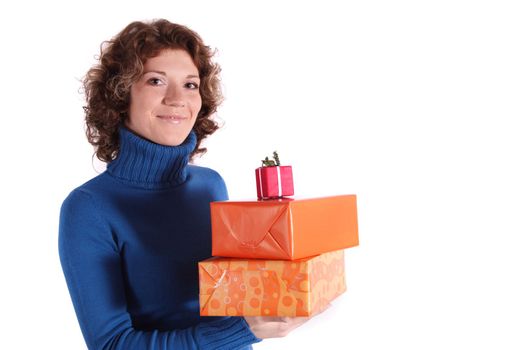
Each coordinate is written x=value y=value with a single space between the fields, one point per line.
x=286 y=229
x=250 y=287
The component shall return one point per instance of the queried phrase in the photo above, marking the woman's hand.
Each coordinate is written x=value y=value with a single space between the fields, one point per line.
x=276 y=327
x=273 y=327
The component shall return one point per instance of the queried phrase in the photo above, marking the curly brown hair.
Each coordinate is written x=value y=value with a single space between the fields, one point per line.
x=107 y=85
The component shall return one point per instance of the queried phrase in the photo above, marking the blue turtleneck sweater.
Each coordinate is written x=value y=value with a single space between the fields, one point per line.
x=129 y=243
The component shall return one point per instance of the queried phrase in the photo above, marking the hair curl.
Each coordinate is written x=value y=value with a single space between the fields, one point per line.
x=107 y=84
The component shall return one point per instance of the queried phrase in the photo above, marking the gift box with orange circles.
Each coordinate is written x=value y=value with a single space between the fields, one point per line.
x=256 y=287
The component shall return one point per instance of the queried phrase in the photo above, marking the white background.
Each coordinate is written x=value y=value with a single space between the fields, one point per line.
x=415 y=106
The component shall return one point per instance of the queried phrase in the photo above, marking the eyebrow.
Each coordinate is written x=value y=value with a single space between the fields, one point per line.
x=164 y=73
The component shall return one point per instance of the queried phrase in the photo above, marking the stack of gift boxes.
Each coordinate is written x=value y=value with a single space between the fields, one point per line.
x=276 y=256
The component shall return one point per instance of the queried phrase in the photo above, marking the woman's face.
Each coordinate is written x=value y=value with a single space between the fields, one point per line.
x=165 y=100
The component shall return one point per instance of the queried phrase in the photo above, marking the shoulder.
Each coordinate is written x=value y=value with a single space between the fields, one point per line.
x=84 y=195
x=204 y=173
x=83 y=226
x=83 y=212
x=210 y=179
x=78 y=202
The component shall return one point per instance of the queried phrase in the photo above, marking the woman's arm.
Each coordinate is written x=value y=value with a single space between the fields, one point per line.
x=92 y=267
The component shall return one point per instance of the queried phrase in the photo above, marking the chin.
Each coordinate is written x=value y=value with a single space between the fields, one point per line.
x=172 y=141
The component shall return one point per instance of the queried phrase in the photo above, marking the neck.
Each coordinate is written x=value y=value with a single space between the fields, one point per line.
x=143 y=163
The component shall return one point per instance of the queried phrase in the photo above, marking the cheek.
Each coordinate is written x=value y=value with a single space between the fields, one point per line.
x=197 y=104
x=145 y=104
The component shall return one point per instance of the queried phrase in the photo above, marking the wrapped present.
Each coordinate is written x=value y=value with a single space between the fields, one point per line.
x=274 y=180
x=286 y=229
x=250 y=287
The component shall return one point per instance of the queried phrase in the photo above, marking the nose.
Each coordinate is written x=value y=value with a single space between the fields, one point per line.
x=174 y=97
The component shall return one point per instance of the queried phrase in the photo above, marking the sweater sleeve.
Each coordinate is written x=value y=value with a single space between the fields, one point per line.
x=92 y=267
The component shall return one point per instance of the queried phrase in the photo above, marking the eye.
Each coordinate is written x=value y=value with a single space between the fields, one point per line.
x=192 y=85
x=155 y=81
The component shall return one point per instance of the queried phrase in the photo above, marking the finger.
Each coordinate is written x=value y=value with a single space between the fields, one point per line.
x=321 y=309
x=297 y=321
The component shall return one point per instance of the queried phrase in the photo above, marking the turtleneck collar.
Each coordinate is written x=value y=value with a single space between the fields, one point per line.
x=143 y=163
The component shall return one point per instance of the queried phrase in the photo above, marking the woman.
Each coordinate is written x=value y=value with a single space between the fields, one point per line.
x=130 y=238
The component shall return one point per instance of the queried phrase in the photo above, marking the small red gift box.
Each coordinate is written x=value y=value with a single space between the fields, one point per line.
x=274 y=181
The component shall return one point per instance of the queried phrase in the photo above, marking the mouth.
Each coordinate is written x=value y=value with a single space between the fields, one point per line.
x=172 y=118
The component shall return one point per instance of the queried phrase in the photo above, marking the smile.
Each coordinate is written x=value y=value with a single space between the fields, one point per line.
x=175 y=119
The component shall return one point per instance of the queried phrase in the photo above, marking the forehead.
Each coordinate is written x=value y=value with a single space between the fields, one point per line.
x=172 y=59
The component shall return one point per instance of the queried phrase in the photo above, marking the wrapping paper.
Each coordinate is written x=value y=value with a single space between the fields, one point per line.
x=250 y=287
x=286 y=229
x=274 y=181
